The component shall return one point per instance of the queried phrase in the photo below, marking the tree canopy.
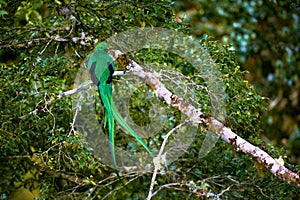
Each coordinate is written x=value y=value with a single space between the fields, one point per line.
x=43 y=47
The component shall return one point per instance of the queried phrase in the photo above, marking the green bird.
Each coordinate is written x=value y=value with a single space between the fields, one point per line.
x=101 y=68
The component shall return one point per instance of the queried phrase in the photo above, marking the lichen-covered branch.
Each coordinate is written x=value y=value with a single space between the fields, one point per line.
x=219 y=128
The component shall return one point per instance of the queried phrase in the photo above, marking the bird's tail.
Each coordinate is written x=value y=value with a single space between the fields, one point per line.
x=106 y=99
x=123 y=123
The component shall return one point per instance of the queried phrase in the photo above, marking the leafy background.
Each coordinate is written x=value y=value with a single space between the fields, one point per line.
x=43 y=43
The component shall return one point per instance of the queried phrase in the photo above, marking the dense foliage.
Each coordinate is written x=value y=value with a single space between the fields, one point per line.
x=42 y=45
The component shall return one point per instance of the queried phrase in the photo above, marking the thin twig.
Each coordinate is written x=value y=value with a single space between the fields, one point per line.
x=158 y=160
x=165 y=186
x=75 y=115
x=40 y=53
x=82 y=87
x=133 y=179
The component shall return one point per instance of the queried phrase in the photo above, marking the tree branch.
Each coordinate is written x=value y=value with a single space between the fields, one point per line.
x=159 y=159
x=219 y=128
x=44 y=106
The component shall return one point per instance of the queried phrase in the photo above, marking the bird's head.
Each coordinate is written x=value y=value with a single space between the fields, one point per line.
x=101 y=46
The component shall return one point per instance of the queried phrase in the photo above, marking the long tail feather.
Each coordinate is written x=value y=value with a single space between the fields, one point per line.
x=123 y=123
x=106 y=99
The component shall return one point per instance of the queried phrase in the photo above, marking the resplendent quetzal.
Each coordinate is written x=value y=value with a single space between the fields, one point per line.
x=101 y=68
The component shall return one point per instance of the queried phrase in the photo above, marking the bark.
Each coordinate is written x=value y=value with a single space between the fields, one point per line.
x=239 y=144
